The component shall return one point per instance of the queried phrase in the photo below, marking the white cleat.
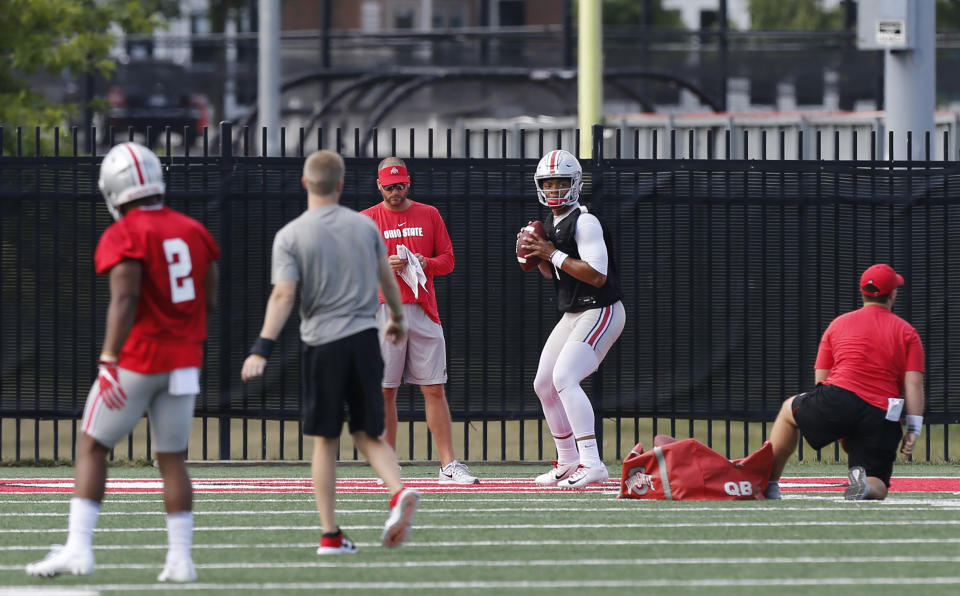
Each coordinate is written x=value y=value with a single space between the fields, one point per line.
x=60 y=560
x=456 y=473
x=586 y=475
x=398 y=525
x=556 y=474
x=178 y=570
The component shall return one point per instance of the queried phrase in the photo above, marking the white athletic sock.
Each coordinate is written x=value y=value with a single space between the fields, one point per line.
x=83 y=519
x=567 y=450
x=179 y=534
x=589 y=455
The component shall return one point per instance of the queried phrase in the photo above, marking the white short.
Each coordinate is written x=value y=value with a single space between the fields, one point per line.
x=598 y=327
x=171 y=416
x=421 y=358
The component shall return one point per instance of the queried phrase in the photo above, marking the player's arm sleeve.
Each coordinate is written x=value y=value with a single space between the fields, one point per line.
x=590 y=244
x=825 y=351
x=283 y=260
x=916 y=360
x=441 y=263
x=116 y=245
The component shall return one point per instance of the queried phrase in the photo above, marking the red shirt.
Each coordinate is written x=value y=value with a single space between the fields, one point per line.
x=421 y=229
x=868 y=351
x=171 y=320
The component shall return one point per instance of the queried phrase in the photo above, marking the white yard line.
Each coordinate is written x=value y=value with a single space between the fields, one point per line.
x=541 y=527
x=505 y=585
x=446 y=544
x=896 y=501
x=426 y=509
x=340 y=564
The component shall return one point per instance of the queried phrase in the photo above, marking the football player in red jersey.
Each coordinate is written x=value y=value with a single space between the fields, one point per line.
x=163 y=279
x=868 y=375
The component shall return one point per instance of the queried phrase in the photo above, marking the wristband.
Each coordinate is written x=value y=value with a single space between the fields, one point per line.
x=557 y=257
x=263 y=347
x=396 y=318
x=914 y=424
x=107 y=357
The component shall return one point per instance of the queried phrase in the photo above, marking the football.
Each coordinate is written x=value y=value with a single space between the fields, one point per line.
x=528 y=263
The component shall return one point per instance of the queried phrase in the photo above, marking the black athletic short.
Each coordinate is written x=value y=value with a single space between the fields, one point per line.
x=346 y=372
x=827 y=413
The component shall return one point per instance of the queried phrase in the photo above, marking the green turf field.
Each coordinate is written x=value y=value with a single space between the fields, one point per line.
x=469 y=542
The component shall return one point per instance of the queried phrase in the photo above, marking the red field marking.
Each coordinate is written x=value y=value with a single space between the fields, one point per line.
x=284 y=485
x=430 y=485
x=902 y=484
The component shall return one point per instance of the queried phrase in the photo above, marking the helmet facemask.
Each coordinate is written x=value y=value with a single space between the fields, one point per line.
x=567 y=196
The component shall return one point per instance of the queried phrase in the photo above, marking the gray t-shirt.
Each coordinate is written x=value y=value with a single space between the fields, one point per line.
x=333 y=253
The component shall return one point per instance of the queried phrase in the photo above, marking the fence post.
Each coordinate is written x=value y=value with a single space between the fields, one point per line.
x=597 y=138
x=596 y=198
x=226 y=167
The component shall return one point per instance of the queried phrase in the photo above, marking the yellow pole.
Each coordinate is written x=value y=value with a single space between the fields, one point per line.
x=589 y=71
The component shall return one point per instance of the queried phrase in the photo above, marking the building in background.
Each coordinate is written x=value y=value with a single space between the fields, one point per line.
x=507 y=63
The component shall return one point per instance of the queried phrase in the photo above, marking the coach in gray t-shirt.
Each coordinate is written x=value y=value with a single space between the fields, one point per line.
x=329 y=250
x=336 y=256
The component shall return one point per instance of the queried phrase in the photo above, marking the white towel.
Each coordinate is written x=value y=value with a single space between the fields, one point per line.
x=185 y=381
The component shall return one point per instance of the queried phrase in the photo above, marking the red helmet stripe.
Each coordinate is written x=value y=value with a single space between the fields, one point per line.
x=136 y=162
x=553 y=162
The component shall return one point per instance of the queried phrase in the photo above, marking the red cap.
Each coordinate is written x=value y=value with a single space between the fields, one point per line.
x=881 y=276
x=393 y=175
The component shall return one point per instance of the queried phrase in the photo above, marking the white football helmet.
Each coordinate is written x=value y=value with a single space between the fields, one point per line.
x=129 y=172
x=559 y=164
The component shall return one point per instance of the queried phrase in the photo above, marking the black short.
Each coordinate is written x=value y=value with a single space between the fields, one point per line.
x=827 y=413
x=346 y=372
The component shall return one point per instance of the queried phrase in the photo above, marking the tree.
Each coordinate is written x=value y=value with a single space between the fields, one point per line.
x=794 y=15
x=219 y=12
x=72 y=37
x=948 y=15
x=630 y=12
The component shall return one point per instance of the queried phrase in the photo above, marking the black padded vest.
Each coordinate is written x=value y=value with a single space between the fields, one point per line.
x=574 y=295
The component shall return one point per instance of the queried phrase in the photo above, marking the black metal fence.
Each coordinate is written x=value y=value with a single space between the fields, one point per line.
x=731 y=268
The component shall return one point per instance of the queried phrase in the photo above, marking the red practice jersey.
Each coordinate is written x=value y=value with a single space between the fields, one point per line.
x=421 y=229
x=176 y=252
x=868 y=351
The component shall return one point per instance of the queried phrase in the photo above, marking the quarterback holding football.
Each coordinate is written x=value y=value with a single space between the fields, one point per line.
x=574 y=249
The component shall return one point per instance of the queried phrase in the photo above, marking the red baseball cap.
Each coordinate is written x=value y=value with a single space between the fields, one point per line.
x=882 y=277
x=393 y=175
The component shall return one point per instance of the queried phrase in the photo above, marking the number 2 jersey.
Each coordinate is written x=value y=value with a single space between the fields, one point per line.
x=176 y=252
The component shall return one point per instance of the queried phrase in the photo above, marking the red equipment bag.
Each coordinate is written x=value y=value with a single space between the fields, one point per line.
x=688 y=470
